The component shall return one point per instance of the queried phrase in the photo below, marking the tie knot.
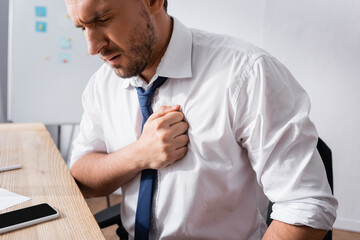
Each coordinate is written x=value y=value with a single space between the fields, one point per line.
x=145 y=97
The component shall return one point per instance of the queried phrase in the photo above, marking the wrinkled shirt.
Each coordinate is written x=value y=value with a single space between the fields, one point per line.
x=251 y=141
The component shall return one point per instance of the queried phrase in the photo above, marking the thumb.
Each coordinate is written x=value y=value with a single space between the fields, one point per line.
x=162 y=111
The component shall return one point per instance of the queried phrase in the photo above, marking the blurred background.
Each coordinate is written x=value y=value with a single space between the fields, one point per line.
x=44 y=67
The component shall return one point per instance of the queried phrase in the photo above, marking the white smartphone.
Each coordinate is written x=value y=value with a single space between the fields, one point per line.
x=24 y=217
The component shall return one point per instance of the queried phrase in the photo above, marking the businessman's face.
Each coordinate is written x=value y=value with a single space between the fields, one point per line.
x=119 y=31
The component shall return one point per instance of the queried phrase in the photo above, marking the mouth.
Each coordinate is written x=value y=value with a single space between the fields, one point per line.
x=112 y=59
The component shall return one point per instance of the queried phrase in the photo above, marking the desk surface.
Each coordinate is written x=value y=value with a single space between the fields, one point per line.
x=44 y=177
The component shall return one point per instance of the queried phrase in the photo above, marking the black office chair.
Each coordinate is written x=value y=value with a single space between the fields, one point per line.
x=111 y=215
x=326 y=157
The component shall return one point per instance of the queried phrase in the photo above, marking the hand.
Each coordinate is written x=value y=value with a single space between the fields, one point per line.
x=164 y=139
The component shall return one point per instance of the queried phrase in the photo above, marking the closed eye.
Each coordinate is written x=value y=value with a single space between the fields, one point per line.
x=103 y=20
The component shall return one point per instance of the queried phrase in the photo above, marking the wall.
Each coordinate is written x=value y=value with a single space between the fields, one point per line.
x=4 y=5
x=319 y=41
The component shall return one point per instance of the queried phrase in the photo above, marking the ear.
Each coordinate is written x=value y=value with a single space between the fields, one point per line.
x=155 y=6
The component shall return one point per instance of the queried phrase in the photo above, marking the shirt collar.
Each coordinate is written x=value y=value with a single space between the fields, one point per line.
x=176 y=62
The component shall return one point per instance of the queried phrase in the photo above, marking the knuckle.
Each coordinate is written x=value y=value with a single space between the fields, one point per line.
x=161 y=122
x=163 y=109
x=162 y=151
x=162 y=136
x=173 y=115
x=158 y=124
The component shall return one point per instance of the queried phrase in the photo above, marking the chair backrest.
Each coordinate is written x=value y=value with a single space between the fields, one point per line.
x=326 y=157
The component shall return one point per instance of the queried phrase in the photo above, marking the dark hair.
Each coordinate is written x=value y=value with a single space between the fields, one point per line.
x=165 y=5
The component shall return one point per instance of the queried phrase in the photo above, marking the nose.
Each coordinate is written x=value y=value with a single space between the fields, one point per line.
x=96 y=40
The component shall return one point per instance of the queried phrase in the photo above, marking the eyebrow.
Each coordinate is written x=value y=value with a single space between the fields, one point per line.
x=92 y=19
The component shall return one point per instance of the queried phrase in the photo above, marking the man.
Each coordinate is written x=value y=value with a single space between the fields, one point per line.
x=230 y=130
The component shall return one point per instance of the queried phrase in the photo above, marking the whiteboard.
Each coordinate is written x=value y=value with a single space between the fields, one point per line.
x=48 y=63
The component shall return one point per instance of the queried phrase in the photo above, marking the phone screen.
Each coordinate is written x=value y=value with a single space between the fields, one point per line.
x=26 y=215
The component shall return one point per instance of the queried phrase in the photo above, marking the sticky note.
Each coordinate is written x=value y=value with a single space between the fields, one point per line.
x=64 y=42
x=41 y=27
x=40 y=11
x=64 y=58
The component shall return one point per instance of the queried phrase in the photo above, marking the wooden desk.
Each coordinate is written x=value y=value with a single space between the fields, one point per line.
x=44 y=177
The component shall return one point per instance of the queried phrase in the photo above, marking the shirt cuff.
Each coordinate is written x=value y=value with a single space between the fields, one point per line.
x=315 y=213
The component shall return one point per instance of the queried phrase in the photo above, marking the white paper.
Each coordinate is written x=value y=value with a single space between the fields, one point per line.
x=9 y=199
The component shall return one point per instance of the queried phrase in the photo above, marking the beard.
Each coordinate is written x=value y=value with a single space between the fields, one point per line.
x=141 y=43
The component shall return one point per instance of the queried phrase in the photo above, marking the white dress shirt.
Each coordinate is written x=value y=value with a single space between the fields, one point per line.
x=250 y=140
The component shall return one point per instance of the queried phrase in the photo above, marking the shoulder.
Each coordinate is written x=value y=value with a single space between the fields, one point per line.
x=105 y=79
x=241 y=65
x=103 y=73
x=216 y=52
x=227 y=47
x=228 y=56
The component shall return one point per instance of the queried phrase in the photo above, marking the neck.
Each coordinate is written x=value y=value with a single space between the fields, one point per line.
x=164 y=27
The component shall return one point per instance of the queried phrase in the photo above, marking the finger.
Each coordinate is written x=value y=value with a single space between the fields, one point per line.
x=172 y=118
x=181 y=141
x=178 y=129
x=180 y=153
x=163 y=111
x=176 y=155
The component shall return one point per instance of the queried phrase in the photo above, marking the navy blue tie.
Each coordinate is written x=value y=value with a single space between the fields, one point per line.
x=148 y=176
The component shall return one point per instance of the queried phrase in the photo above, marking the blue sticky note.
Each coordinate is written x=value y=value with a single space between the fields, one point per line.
x=41 y=27
x=64 y=58
x=64 y=42
x=40 y=11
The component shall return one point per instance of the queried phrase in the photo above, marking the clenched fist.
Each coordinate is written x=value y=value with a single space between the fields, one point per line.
x=163 y=139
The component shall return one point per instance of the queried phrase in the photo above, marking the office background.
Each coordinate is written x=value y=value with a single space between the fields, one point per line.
x=48 y=89
x=319 y=41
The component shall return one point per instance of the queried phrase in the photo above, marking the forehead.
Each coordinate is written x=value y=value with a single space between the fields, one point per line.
x=82 y=9
x=77 y=3
x=85 y=10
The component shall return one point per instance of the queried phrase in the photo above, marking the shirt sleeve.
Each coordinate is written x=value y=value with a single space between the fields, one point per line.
x=91 y=137
x=272 y=115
